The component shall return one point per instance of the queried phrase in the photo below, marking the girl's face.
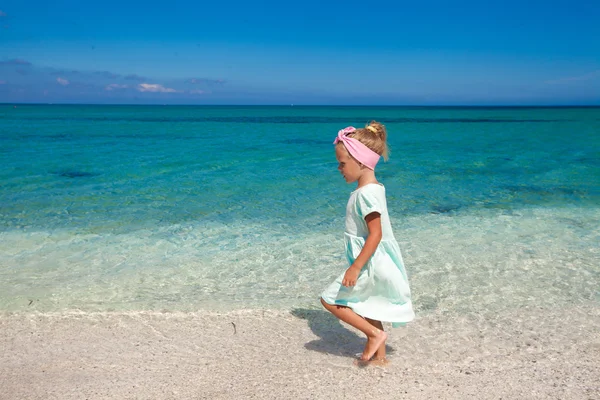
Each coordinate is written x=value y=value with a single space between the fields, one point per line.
x=350 y=168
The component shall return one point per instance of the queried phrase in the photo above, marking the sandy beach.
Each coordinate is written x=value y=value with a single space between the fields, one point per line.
x=532 y=353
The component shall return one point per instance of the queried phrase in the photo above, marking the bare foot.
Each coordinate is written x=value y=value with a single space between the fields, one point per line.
x=376 y=362
x=373 y=343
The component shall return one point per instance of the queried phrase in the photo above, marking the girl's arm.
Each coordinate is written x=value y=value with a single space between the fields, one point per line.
x=374 y=225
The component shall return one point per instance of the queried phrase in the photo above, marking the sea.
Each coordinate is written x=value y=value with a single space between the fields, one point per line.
x=224 y=208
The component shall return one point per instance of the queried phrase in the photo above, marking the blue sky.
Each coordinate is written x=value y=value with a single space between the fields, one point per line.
x=311 y=52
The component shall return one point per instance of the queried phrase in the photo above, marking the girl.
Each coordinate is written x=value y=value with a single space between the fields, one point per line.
x=375 y=287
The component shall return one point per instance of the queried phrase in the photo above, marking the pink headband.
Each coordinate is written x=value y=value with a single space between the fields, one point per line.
x=362 y=153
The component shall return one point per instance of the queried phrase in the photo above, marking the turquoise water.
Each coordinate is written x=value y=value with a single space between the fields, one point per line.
x=219 y=208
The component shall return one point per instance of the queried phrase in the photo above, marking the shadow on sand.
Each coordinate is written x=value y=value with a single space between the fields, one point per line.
x=334 y=338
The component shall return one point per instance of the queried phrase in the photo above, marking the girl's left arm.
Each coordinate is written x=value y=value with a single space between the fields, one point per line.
x=374 y=225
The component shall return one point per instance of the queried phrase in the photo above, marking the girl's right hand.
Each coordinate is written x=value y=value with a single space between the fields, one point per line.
x=350 y=277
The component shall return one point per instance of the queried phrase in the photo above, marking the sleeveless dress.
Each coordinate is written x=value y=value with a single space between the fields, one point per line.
x=382 y=292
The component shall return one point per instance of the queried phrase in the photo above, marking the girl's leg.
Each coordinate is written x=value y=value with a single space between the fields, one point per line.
x=375 y=337
x=380 y=353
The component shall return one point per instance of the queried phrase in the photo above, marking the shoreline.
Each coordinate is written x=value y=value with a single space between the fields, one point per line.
x=533 y=353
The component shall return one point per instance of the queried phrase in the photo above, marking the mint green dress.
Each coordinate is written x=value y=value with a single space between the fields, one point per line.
x=382 y=292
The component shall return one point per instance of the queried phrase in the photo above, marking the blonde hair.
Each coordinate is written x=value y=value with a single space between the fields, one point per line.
x=374 y=136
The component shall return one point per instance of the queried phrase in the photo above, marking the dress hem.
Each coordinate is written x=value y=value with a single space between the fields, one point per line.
x=394 y=323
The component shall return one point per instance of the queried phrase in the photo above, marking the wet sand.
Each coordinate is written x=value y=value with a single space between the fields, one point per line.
x=532 y=353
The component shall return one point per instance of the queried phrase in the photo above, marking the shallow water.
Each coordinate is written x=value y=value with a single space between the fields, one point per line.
x=222 y=208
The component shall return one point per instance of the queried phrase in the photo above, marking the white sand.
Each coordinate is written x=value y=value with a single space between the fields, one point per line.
x=306 y=354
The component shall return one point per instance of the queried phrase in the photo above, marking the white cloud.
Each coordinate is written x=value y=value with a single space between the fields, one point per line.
x=115 y=86
x=197 y=92
x=62 y=81
x=154 y=88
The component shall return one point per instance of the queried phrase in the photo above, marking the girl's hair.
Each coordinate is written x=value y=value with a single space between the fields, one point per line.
x=374 y=136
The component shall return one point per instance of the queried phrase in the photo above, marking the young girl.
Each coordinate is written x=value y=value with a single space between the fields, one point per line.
x=375 y=287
